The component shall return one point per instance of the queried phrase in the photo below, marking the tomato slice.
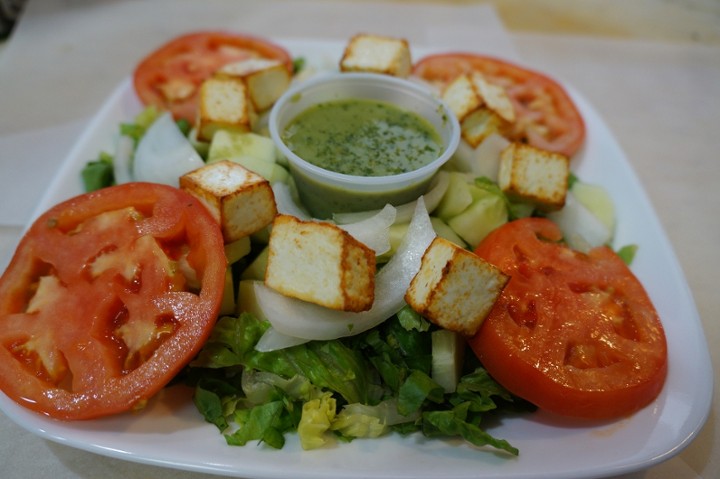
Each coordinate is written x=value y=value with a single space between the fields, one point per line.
x=547 y=116
x=170 y=77
x=576 y=334
x=107 y=297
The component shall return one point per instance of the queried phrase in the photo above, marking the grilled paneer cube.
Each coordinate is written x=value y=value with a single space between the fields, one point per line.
x=455 y=289
x=534 y=176
x=265 y=79
x=481 y=107
x=377 y=54
x=224 y=104
x=320 y=263
x=240 y=200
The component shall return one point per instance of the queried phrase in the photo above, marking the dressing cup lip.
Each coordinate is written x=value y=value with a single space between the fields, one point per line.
x=339 y=85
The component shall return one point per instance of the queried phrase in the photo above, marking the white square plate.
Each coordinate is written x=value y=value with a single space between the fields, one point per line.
x=171 y=433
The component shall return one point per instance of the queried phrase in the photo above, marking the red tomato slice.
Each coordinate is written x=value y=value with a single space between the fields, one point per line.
x=170 y=77
x=107 y=297
x=576 y=334
x=547 y=116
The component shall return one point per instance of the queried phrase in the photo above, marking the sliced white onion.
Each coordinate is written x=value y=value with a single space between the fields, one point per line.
x=301 y=319
x=582 y=229
x=164 y=154
x=483 y=160
x=487 y=156
x=285 y=203
x=374 y=231
x=272 y=340
x=122 y=161
x=404 y=212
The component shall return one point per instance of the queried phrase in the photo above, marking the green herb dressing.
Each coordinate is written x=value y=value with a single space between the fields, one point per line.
x=362 y=138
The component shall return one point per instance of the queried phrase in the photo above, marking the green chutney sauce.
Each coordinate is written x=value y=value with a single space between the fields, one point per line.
x=362 y=138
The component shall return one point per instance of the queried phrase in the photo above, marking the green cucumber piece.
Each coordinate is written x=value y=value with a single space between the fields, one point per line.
x=279 y=174
x=443 y=230
x=596 y=199
x=202 y=147
x=227 y=306
x=448 y=354
x=396 y=234
x=256 y=165
x=237 y=249
x=456 y=199
x=256 y=269
x=229 y=145
x=247 y=301
x=487 y=212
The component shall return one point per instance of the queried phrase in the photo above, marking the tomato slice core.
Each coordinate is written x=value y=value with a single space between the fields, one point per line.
x=170 y=76
x=576 y=334
x=547 y=116
x=95 y=314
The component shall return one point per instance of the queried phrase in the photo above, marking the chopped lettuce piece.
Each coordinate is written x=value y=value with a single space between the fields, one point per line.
x=627 y=253
x=264 y=423
x=418 y=388
x=410 y=320
x=142 y=121
x=317 y=417
x=210 y=406
x=362 y=386
x=98 y=173
x=362 y=420
x=455 y=423
x=515 y=209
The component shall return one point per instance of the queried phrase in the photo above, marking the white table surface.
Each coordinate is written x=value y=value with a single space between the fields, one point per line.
x=660 y=97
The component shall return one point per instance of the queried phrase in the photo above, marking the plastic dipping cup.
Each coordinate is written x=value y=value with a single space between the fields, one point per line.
x=324 y=192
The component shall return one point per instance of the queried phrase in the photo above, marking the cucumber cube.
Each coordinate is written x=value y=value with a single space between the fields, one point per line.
x=456 y=199
x=486 y=213
x=596 y=199
x=229 y=145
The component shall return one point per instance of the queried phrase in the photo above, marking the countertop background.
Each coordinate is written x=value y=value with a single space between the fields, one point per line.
x=662 y=104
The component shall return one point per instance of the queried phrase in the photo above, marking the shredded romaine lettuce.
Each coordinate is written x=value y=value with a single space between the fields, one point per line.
x=317 y=417
x=627 y=253
x=361 y=386
x=98 y=173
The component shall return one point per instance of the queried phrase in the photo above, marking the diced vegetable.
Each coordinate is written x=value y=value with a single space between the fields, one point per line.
x=484 y=160
x=122 y=166
x=487 y=212
x=247 y=301
x=596 y=199
x=237 y=249
x=164 y=154
x=444 y=230
x=227 y=306
x=448 y=354
x=230 y=145
x=581 y=229
x=457 y=198
x=256 y=269
x=98 y=173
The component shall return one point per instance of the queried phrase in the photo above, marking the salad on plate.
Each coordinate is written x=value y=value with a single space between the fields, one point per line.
x=495 y=293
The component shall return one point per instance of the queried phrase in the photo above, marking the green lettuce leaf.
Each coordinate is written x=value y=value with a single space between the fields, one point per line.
x=379 y=381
